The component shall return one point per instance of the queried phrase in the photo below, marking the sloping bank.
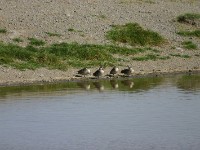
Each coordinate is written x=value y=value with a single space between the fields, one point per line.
x=36 y=63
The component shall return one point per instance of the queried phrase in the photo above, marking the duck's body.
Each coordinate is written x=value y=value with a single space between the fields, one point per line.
x=114 y=70
x=99 y=72
x=84 y=71
x=127 y=71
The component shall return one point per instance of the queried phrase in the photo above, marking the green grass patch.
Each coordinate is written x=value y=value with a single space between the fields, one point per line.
x=189 y=45
x=65 y=55
x=71 y=30
x=188 y=17
x=153 y=57
x=74 y=30
x=179 y=55
x=195 y=33
x=3 y=31
x=36 y=42
x=134 y=34
x=17 y=40
x=129 y=51
x=53 y=34
x=28 y=57
x=164 y=57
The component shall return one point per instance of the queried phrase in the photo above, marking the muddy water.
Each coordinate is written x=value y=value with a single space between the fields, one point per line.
x=161 y=113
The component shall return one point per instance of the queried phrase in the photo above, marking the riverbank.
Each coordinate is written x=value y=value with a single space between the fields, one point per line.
x=87 y=22
x=13 y=77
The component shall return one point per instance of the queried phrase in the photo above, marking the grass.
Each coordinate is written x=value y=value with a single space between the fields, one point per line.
x=127 y=51
x=102 y=16
x=3 y=30
x=27 y=57
x=179 y=55
x=36 y=42
x=64 y=55
x=71 y=30
x=188 y=17
x=138 y=1
x=77 y=31
x=195 y=33
x=133 y=34
x=17 y=40
x=53 y=34
x=189 y=45
x=153 y=57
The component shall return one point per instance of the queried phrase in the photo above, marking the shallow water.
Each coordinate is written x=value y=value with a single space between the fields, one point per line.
x=160 y=113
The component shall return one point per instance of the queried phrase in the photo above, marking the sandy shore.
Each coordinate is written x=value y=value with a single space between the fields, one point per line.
x=92 y=19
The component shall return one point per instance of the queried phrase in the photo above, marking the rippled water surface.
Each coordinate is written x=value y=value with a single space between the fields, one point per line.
x=161 y=113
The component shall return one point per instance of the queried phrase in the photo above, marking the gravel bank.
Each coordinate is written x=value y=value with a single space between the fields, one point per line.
x=91 y=19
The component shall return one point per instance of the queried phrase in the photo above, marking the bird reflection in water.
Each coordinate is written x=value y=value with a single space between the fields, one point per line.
x=84 y=85
x=128 y=83
x=99 y=86
x=114 y=84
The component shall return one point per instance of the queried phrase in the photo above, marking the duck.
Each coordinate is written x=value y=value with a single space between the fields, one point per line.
x=114 y=70
x=127 y=71
x=84 y=71
x=99 y=72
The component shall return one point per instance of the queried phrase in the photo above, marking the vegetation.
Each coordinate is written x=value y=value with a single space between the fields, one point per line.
x=189 y=45
x=3 y=30
x=192 y=19
x=36 y=42
x=71 y=30
x=64 y=55
x=27 y=57
x=150 y=57
x=53 y=34
x=138 y=1
x=188 y=18
x=133 y=34
x=195 y=33
x=18 y=40
x=179 y=55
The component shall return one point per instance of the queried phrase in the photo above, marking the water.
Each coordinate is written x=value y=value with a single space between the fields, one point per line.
x=161 y=113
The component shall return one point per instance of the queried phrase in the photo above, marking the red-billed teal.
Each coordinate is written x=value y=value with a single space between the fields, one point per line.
x=127 y=71
x=99 y=72
x=84 y=71
x=114 y=70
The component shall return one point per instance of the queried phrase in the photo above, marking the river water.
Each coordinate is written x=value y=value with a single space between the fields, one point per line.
x=154 y=113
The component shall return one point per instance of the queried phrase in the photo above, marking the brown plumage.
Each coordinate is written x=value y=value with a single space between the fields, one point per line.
x=127 y=71
x=114 y=70
x=99 y=72
x=84 y=71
